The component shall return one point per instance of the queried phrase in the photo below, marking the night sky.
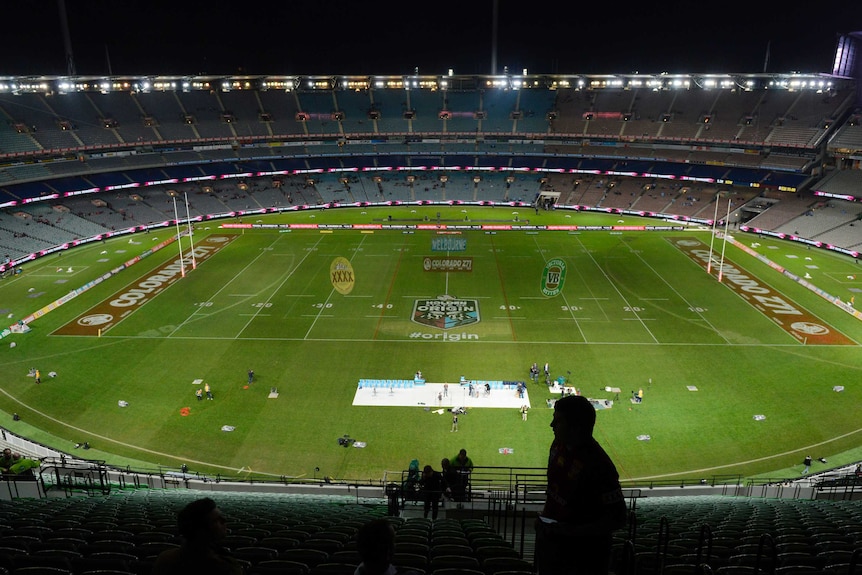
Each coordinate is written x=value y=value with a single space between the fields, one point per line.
x=157 y=37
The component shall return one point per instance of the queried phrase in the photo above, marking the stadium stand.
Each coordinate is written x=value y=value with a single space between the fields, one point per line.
x=619 y=142
x=124 y=531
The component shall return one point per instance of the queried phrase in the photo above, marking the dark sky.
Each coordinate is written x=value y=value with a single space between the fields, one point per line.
x=329 y=37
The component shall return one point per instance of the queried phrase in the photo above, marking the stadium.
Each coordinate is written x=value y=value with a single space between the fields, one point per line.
x=342 y=262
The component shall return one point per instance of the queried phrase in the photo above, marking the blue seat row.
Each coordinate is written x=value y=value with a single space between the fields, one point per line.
x=386 y=383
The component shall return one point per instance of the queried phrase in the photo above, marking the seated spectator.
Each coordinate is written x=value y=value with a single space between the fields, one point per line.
x=375 y=542
x=202 y=527
x=7 y=460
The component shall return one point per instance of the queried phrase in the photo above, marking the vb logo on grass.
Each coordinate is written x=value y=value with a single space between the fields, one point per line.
x=446 y=312
x=341 y=275
x=553 y=277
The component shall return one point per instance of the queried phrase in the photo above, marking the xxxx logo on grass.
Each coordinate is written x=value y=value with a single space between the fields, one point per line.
x=553 y=277
x=341 y=275
x=446 y=312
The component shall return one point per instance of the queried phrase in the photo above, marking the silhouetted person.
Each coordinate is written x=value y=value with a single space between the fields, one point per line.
x=375 y=542
x=433 y=486
x=584 y=503
x=202 y=527
x=450 y=476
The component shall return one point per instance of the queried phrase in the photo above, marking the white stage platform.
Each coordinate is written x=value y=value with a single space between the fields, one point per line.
x=427 y=396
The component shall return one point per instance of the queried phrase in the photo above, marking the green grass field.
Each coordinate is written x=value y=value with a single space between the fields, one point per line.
x=633 y=308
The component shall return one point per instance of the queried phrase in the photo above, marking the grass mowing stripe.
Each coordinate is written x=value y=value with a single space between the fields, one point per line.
x=631 y=308
x=678 y=293
x=328 y=297
x=503 y=290
x=223 y=287
x=388 y=296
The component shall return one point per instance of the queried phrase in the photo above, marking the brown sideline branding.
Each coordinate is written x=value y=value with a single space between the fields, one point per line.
x=111 y=311
x=791 y=317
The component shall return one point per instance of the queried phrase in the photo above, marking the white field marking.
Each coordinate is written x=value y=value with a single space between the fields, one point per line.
x=566 y=301
x=684 y=300
x=621 y=296
x=110 y=439
x=426 y=297
x=639 y=319
x=238 y=274
x=573 y=317
x=792 y=346
x=224 y=286
x=254 y=314
x=275 y=291
x=750 y=461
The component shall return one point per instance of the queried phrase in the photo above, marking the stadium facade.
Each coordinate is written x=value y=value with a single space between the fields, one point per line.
x=71 y=142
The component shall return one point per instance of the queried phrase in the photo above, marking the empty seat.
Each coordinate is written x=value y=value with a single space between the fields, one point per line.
x=495 y=565
x=279 y=567
x=334 y=569
x=310 y=557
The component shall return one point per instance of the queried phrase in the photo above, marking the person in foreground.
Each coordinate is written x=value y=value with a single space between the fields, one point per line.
x=375 y=542
x=584 y=503
x=202 y=527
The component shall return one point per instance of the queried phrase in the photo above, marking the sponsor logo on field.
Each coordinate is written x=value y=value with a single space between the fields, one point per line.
x=443 y=264
x=794 y=319
x=553 y=277
x=446 y=312
x=341 y=275
x=96 y=319
x=809 y=328
x=108 y=313
x=448 y=244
